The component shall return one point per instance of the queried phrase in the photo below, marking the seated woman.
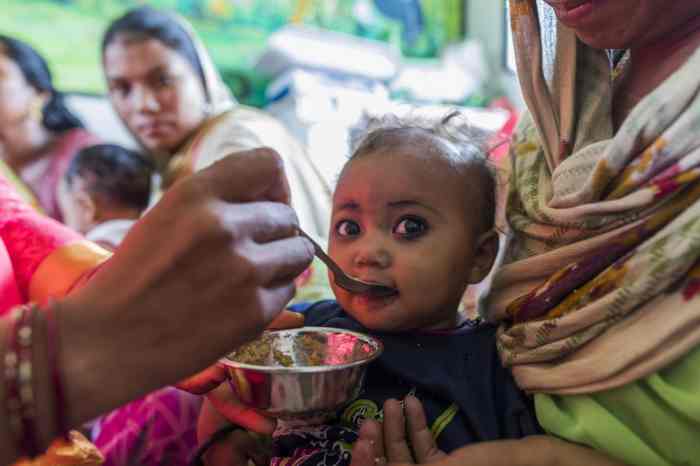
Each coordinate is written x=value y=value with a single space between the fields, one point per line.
x=598 y=297
x=164 y=86
x=38 y=134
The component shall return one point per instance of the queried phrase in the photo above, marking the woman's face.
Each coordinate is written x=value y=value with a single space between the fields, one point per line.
x=17 y=97
x=155 y=91
x=621 y=24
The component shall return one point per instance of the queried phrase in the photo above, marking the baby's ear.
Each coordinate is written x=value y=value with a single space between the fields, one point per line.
x=484 y=256
x=89 y=212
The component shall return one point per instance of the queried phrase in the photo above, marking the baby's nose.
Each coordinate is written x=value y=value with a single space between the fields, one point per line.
x=373 y=257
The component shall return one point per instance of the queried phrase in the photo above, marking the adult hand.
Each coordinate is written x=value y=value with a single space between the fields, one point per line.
x=233 y=449
x=224 y=401
x=379 y=444
x=211 y=377
x=205 y=270
x=390 y=440
x=239 y=448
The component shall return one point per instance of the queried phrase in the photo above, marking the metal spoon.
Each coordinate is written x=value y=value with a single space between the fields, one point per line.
x=345 y=281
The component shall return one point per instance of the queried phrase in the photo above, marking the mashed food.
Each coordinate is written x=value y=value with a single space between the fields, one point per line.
x=303 y=349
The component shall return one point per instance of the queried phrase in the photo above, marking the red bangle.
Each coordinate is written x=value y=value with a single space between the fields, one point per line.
x=21 y=401
x=52 y=347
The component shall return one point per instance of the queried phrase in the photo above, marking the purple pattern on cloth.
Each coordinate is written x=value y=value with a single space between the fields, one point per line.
x=544 y=298
x=160 y=429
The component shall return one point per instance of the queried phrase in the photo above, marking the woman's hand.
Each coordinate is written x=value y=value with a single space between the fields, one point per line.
x=236 y=448
x=205 y=270
x=388 y=441
x=239 y=448
x=211 y=377
x=204 y=382
x=224 y=401
x=379 y=444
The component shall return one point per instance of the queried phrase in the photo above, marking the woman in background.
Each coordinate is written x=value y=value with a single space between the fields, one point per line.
x=163 y=84
x=38 y=134
x=164 y=87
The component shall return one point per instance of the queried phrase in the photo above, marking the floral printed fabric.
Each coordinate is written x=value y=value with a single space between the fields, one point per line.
x=605 y=226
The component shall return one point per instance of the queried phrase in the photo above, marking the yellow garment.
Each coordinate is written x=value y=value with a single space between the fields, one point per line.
x=19 y=186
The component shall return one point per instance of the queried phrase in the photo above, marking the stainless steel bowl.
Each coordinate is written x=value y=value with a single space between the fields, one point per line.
x=304 y=374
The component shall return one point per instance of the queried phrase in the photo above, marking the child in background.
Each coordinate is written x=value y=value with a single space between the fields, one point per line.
x=104 y=192
x=414 y=210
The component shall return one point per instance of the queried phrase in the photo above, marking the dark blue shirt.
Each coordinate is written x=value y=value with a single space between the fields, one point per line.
x=467 y=394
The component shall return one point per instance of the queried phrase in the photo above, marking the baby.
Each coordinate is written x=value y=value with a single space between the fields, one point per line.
x=104 y=192
x=414 y=210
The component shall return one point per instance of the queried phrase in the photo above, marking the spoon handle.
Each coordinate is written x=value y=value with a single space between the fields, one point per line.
x=320 y=253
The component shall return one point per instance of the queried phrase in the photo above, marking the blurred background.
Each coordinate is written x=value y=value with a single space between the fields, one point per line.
x=283 y=56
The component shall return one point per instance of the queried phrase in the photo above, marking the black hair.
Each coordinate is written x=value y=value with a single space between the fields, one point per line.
x=465 y=148
x=56 y=115
x=145 y=23
x=114 y=173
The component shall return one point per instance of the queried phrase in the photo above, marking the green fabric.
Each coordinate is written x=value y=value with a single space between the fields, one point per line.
x=652 y=422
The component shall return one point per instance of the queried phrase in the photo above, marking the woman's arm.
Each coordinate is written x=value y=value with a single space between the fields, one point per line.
x=389 y=442
x=530 y=451
x=205 y=270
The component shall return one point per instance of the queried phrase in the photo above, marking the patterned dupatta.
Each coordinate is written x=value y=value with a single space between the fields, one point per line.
x=603 y=258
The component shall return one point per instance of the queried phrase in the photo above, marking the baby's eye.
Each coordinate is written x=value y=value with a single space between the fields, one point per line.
x=411 y=227
x=164 y=80
x=347 y=228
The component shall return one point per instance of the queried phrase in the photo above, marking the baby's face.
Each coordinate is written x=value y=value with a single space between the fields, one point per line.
x=404 y=220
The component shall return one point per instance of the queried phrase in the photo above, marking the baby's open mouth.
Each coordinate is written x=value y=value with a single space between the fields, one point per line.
x=388 y=291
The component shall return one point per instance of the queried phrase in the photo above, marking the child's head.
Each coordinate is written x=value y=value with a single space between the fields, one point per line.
x=104 y=182
x=414 y=209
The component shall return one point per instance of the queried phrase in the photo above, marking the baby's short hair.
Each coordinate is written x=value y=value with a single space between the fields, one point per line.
x=465 y=147
x=113 y=173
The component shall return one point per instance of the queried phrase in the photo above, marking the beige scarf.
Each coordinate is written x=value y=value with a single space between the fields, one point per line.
x=601 y=270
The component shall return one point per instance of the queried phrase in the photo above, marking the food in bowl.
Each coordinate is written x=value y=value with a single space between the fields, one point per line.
x=304 y=348
x=302 y=373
